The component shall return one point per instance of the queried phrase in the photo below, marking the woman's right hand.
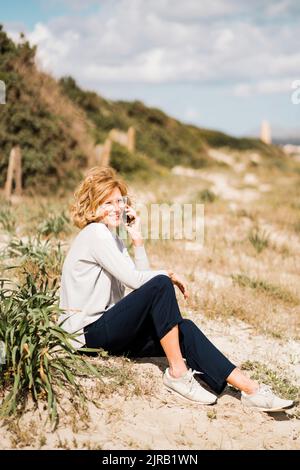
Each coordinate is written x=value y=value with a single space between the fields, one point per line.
x=179 y=283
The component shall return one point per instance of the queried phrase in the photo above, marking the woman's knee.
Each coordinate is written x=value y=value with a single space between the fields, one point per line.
x=186 y=326
x=187 y=323
x=161 y=280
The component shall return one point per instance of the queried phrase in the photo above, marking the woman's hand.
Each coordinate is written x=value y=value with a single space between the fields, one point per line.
x=179 y=283
x=134 y=228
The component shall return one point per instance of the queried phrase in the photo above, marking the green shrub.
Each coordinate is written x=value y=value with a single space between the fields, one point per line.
x=129 y=163
x=49 y=152
x=7 y=218
x=40 y=359
x=54 y=224
x=258 y=239
x=206 y=195
x=39 y=257
x=279 y=383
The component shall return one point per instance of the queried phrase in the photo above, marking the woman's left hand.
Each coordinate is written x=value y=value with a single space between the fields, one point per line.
x=177 y=281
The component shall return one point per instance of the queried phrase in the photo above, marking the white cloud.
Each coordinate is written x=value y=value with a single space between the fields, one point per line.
x=265 y=87
x=162 y=41
x=192 y=10
x=53 y=50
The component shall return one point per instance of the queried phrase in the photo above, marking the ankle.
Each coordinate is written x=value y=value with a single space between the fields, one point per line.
x=251 y=389
x=177 y=371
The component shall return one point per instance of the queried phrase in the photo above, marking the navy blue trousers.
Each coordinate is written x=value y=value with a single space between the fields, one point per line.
x=135 y=325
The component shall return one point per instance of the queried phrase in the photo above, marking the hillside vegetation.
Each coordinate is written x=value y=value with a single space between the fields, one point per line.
x=50 y=130
x=57 y=125
x=166 y=140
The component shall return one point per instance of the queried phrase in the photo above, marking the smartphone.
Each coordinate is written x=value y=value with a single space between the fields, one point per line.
x=127 y=219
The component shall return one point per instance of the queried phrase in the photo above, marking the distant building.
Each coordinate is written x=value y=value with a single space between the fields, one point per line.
x=265 y=132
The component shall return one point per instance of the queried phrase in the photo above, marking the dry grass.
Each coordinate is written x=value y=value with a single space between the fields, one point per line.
x=228 y=277
x=269 y=299
x=235 y=245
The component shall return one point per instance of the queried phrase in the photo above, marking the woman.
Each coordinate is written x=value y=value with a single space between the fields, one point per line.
x=146 y=322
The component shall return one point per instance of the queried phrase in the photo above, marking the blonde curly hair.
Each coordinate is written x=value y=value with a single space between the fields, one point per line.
x=98 y=183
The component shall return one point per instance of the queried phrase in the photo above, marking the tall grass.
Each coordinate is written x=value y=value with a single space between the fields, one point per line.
x=54 y=224
x=258 y=239
x=206 y=195
x=277 y=381
x=40 y=257
x=7 y=218
x=277 y=292
x=39 y=357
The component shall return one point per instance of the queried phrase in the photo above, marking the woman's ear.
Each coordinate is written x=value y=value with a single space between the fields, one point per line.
x=98 y=212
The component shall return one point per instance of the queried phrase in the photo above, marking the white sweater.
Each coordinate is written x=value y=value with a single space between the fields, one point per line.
x=95 y=272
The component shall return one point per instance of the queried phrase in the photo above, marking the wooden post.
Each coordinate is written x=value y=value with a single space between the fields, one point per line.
x=127 y=139
x=105 y=157
x=14 y=172
x=131 y=139
x=18 y=168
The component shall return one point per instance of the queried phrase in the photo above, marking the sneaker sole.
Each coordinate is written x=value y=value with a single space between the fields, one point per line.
x=269 y=410
x=189 y=399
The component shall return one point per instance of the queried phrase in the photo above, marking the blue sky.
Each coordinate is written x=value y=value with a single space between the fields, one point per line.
x=30 y=12
x=222 y=64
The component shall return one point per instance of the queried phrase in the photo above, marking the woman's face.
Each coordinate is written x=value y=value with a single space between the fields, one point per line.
x=112 y=208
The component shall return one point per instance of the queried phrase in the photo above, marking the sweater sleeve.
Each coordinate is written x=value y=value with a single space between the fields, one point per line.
x=140 y=257
x=106 y=253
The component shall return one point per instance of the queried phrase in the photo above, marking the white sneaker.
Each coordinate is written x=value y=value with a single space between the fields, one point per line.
x=265 y=400
x=188 y=387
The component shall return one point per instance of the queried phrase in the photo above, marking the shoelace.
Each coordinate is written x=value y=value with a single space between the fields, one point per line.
x=191 y=381
x=265 y=390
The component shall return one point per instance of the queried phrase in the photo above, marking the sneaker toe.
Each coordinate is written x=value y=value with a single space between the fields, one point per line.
x=281 y=404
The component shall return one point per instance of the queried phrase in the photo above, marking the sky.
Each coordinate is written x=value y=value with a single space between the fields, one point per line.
x=219 y=64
